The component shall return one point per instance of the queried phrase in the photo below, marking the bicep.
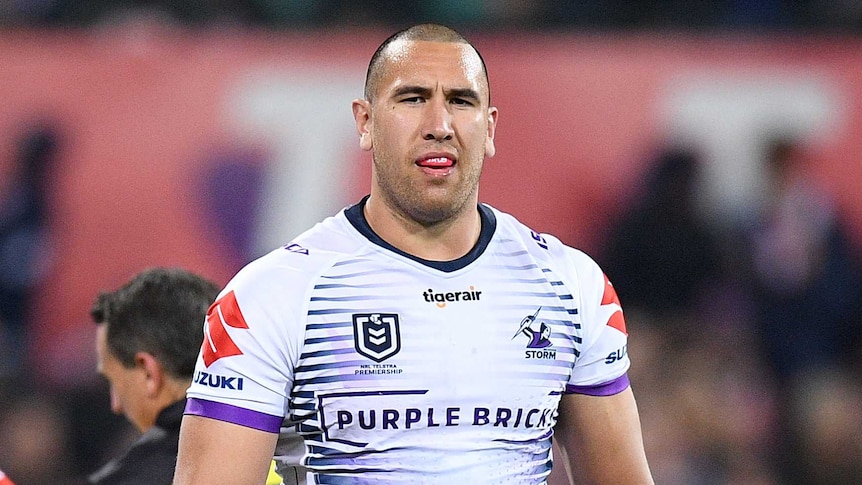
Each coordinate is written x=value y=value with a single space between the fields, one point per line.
x=213 y=451
x=601 y=436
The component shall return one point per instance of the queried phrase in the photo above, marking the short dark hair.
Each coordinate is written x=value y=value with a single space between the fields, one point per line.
x=421 y=32
x=160 y=311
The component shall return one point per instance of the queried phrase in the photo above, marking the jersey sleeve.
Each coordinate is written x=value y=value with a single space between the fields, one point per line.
x=250 y=345
x=600 y=368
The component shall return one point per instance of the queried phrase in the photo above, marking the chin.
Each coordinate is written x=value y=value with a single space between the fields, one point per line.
x=433 y=210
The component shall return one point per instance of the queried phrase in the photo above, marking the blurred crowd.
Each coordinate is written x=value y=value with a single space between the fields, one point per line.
x=746 y=339
x=48 y=433
x=797 y=15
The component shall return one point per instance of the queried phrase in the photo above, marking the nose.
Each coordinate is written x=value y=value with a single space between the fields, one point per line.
x=437 y=122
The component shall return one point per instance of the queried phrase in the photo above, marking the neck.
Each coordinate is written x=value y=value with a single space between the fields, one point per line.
x=445 y=241
x=173 y=391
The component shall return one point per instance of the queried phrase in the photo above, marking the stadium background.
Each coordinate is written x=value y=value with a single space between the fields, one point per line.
x=204 y=136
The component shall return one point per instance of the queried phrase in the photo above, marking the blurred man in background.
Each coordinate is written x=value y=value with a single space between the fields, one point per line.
x=148 y=338
x=806 y=287
x=24 y=247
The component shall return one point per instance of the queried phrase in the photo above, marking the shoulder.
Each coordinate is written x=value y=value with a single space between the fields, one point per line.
x=299 y=262
x=578 y=272
x=271 y=293
x=149 y=461
x=546 y=247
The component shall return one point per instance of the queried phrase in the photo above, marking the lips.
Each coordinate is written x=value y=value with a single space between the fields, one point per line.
x=436 y=162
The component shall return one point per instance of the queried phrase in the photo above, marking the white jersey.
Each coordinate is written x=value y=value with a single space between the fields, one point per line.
x=375 y=366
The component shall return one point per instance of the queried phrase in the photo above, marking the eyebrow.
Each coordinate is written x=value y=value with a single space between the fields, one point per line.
x=411 y=89
x=423 y=91
x=463 y=93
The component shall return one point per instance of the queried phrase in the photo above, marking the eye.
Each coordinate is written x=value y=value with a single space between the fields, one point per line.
x=461 y=102
x=413 y=100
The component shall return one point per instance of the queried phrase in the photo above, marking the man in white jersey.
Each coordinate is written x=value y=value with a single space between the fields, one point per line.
x=417 y=336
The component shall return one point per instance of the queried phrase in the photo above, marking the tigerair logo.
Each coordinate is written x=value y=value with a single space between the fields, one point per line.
x=442 y=298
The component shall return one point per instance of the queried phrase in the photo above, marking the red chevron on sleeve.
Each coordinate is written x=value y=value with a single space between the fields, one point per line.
x=617 y=320
x=217 y=342
x=4 y=480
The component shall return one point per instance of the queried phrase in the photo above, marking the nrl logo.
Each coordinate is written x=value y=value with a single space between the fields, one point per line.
x=376 y=335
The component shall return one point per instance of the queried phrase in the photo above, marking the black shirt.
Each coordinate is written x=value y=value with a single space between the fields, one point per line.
x=152 y=458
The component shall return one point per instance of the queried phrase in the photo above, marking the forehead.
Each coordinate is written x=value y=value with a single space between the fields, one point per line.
x=425 y=62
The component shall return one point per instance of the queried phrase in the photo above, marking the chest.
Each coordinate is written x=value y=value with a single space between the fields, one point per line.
x=474 y=336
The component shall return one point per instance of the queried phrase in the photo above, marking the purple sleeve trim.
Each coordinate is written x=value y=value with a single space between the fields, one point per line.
x=233 y=414
x=615 y=386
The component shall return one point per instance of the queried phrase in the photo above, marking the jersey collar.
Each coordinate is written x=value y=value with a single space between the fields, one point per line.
x=356 y=216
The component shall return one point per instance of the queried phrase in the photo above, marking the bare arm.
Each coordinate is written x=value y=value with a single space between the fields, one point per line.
x=560 y=474
x=215 y=452
x=602 y=438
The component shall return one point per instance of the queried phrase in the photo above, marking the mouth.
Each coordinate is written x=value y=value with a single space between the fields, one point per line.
x=437 y=165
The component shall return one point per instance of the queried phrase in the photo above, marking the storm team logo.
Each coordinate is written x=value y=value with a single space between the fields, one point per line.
x=376 y=335
x=539 y=334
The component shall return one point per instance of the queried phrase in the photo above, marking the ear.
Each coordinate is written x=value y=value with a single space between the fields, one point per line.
x=154 y=373
x=490 y=149
x=362 y=117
